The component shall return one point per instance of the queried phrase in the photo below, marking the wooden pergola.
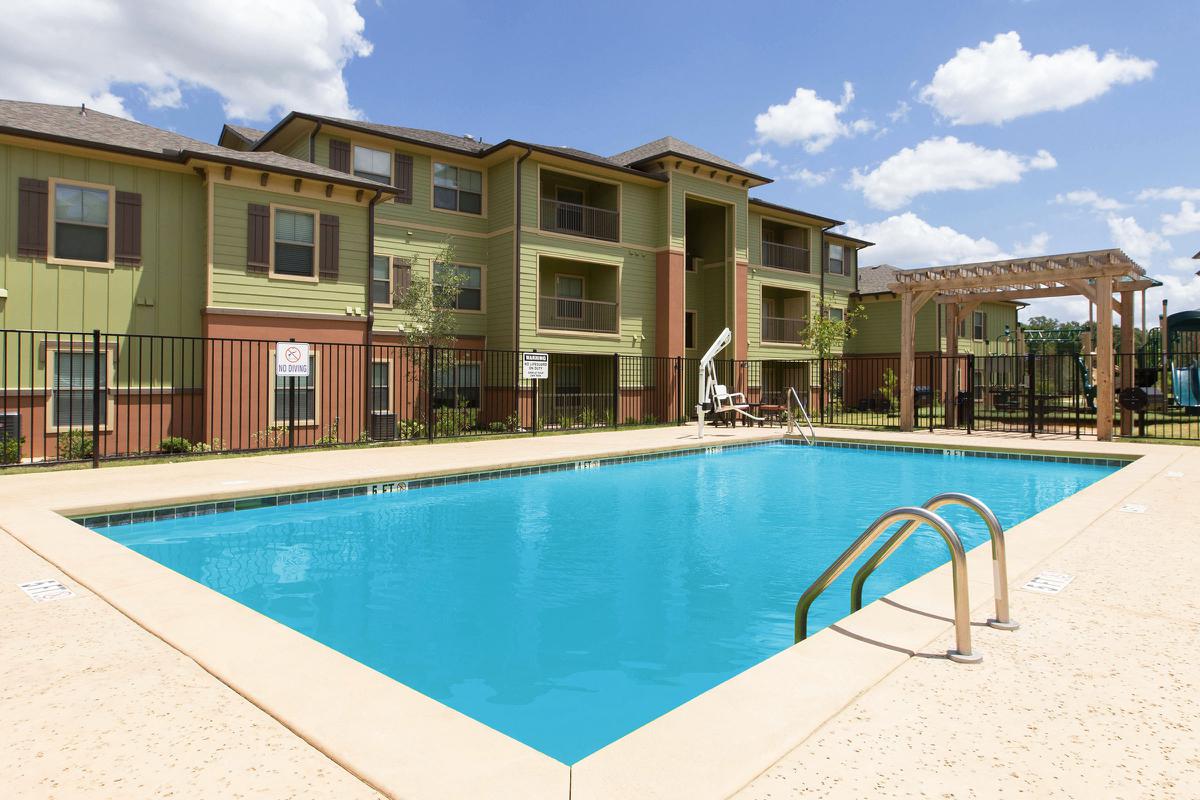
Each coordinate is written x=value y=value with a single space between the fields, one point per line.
x=1094 y=274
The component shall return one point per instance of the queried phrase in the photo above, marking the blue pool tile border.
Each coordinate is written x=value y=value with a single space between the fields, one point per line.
x=96 y=521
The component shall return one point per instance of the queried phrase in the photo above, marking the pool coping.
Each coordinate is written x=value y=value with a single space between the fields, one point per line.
x=405 y=744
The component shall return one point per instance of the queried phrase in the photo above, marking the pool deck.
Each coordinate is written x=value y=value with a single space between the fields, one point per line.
x=1097 y=694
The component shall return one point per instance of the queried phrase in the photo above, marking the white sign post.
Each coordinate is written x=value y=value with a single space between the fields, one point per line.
x=535 y=366
x=291 y=359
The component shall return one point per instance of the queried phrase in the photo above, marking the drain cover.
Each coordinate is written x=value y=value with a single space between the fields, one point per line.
x=45 y=590
x=1048 y=582
x=1133 y=508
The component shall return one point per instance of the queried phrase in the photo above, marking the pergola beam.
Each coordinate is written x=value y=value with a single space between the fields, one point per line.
x=1010 y=279
x=1036 y=292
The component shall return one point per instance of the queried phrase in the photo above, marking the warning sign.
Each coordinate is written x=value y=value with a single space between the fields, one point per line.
x=291 y=360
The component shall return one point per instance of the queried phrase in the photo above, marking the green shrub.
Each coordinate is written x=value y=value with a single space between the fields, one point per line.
x=497 y=427
x=649 y=419
x=450 y=422
x=631 y=421
x=410 y=429
x=75 y=445
x=513 y=423
x=587 y=418
x=10 y=449
x=175 y=444
x=330 y=437
x=274 y=436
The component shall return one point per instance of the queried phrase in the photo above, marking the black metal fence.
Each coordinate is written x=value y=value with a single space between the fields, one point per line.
x=79 y=397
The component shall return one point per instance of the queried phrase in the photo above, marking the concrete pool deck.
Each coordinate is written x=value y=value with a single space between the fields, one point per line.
x=1094 y=695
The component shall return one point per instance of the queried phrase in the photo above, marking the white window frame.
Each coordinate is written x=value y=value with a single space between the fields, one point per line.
x=842 y=261
x=316 y=244
x=482 y=190
x=391 y=287
x=52 y=352
x=979 y=326
x=482 y=285
x=52 y=228
x=391 y=161
x=385 y=362
x=840 y=312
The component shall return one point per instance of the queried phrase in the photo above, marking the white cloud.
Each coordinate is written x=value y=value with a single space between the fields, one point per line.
x=1000 y=80
x=1172 y=193
x=810 y=120
x=936 y=165
x=260 y=58
x=900 y=114
x=1186 y=221
x=1137 y=242
x=906 y=240
x=1089 y=198
x=759 y=157
x=1037 y=245
x=807 y=176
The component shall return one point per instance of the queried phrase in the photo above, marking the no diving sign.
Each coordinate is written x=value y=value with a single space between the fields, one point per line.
x=291 y=360
x=535 y=366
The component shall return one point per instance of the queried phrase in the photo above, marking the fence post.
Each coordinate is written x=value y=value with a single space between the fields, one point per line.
x=1029 y=357
x=96 y=397
x=932 y=393
x=533 y=383
x=616 y=388
x=429 y=367
x=1075 y=396
x=821 y=388
x=678 y=390
x=970 y=405
x=291 y=405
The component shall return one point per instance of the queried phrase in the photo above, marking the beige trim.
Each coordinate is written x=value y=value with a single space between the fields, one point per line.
x=315 y=420
x=93 y=153
x=451 y=161
x=435 y=229
x=49 y=350
x=251 y=312
x=52 y=232
x=310 y=188
x=209 y=249
x=482 y=285
x=537 y=231
x=316 y=245
x=391 y=385
x=391 y=269
x=814 y=277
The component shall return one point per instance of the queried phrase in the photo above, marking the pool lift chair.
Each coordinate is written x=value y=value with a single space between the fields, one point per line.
x=714 y=396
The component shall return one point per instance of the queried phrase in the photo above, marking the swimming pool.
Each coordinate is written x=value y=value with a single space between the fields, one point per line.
x=566 y=609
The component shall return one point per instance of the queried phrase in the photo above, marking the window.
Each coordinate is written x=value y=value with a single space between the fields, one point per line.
x=295 y=243
x=457 y=189
x=837 y=259
x=82 y=216
x=689 y=329
x=74 y=385
x=569 y=291
x=381 y=396
x=381 y=281
x=374 y=165
x=305 y=394
x=456 y=386
x=837 y=314
x=470 y=293
x=979 y=320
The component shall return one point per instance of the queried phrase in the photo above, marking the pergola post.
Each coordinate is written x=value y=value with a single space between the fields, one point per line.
x=1104 y=358
x=951 y=371
x=1127 y=361
x=907 y=360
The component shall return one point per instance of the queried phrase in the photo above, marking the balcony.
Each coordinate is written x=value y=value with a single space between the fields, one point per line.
x=580 y=220
x=784 y=330
x=785 y=256
x=574 y=314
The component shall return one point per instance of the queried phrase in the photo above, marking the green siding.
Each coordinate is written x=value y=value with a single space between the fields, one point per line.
x=879 y=332
x=164 y=295
x=683 y=184
x=233 y=287
x=421 y=248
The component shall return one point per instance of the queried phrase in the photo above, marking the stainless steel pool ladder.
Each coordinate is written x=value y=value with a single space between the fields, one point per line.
x=958 y=570
x=792 y=427
x=999 y=558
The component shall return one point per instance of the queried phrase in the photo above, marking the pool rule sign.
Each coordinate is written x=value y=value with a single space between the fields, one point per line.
x=291 y=362
x=535 y=366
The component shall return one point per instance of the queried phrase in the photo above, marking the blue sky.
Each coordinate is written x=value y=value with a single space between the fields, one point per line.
x=1095 y=147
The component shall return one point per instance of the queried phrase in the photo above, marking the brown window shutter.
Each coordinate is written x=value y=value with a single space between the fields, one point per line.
x=33 y=208
x=339 y=155
x=258 y=238
x=401 y=276
x=404 y=178
x=129 y=229
x=330 y=246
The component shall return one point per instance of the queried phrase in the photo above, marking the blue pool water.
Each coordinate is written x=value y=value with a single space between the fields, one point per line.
x=567 y=609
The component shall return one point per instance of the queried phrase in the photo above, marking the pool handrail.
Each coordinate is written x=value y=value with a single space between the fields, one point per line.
x=1002 y=621
x=958 y=571
x=792 y=428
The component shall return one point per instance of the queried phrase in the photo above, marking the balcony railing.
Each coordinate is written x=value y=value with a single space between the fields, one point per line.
x=573 y=314
x=784 y=329
x=595 y=223
x=785 y=256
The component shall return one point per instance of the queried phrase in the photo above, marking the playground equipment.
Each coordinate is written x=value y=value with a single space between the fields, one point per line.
x=714 y=396
x=1183 y=356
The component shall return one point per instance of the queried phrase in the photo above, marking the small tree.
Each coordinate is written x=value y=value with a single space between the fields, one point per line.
x=429 y=303
x=824 y=334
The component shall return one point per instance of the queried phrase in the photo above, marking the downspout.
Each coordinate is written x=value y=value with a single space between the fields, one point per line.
x=370 y=311
x=312 y=143
x=517 y=256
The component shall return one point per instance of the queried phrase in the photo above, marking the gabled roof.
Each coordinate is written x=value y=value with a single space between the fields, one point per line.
x=670 y=146
x=875 y=280
x=239 y=137
x=87 y=128
x=754 y=201
x=442 y=141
